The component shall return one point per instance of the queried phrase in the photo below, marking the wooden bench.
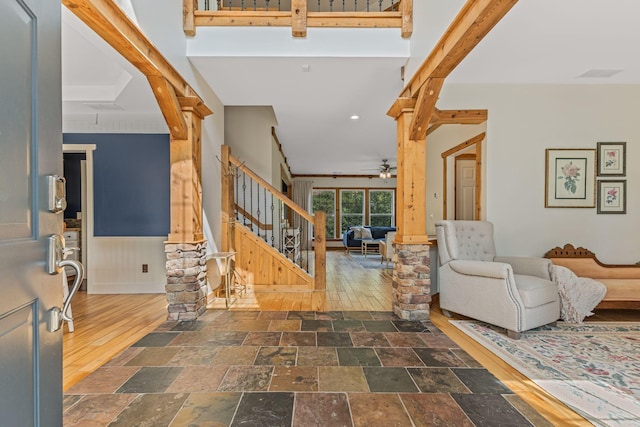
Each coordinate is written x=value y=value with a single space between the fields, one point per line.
x=622 y=280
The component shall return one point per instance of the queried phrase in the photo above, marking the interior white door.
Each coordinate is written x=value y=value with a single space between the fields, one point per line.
x=31 y=144
x=465 y=189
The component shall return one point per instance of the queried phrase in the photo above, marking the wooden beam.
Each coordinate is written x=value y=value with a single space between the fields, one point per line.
x=401 y=105
x=459 y=117
x=169 y=105
x=299 y=18
x=425 y=106
x=478 y=207
x=469 y=142
x=109 y=21
x=473 y=22
x=432 y=129
x=228 y=199
x=188 y=22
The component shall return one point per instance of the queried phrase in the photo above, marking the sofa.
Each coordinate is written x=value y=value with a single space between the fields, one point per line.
x=350 y=241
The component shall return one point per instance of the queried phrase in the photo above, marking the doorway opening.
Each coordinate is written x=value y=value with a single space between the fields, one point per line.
x=462 y=180
x=78 y=161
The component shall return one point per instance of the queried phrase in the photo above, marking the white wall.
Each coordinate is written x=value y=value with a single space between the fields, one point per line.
x=524 y=120
x=247 y=131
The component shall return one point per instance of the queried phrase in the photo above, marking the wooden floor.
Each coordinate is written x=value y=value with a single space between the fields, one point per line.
x=107 y=324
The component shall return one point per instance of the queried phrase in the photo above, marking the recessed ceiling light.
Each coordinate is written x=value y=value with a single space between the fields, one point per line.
x=306 y=68
x=600 y=73
x=354 y=117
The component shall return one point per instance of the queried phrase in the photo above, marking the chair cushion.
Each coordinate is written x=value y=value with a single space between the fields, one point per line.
x=535 y=291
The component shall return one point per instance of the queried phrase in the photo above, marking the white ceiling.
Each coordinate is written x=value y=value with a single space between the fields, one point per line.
x=539 y=41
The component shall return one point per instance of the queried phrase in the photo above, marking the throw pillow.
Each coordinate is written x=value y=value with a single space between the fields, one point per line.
x=357 y=232
x=366 y=233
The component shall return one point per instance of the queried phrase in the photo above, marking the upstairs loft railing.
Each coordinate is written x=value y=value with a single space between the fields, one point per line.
x=300 y=14
x=274 y=218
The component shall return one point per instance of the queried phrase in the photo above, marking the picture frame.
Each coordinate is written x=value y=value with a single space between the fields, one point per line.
x=612 y=158
x=612 y=197
x=570 y=180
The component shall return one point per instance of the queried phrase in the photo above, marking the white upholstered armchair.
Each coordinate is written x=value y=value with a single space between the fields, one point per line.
x=515 y=293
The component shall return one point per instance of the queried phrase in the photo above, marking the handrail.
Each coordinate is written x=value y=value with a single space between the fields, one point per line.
x=254 y=220
x=301 y=16
x=287 y=201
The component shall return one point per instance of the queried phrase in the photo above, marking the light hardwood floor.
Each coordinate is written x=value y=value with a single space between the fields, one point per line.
x=107 y=324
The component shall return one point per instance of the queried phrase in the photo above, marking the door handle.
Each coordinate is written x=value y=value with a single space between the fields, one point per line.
x=56 y=261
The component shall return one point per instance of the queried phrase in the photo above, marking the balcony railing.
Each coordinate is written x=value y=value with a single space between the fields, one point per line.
x=300 y=14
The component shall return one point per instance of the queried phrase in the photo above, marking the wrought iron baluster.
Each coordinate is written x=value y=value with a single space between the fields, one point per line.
x=258 y=205
x=280 y=226
x=368 y=5
x=251 y=198
x=318 y=6
x=242 y=5
x=331 y=5
x=343 y=5
x=379 y=5
x=244 y=199
x=355 y=5
x=255 y=5
x=392 y=5
x=267 y=1
x=273 y=227
x=266 y=220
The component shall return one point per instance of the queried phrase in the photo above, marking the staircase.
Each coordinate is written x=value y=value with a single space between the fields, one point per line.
x=278 y=245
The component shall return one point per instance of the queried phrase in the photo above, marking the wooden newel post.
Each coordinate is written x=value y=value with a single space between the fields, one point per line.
x=228 y=199
x=411 y=274
x=320 y=247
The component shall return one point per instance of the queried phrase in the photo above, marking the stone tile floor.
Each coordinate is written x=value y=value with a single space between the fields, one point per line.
x=252 y=368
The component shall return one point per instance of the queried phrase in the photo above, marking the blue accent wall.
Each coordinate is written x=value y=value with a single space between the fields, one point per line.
x=131 y=183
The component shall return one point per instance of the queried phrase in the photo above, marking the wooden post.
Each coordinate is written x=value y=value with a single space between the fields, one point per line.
x=299 y=18
x=411 y=177
x=320 y=248
x=407 y=18
x=188 y=18
x=186 y=188
x=228 y=200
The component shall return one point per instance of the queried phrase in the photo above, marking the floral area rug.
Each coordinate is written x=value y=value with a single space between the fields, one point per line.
x=593 y=367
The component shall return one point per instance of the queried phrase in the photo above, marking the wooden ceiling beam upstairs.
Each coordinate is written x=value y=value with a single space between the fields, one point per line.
x=473 y=22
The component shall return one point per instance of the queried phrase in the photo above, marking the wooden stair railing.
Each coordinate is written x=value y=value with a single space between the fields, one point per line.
x=269 y=256
x=299 y=18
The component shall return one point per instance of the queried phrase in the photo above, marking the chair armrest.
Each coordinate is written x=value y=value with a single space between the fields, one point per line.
x=530 y=266
x=495 y=270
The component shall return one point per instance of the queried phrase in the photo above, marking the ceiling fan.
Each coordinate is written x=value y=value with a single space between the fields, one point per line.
x=385 y=169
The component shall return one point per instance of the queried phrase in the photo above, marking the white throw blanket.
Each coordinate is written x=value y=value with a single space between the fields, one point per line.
x=578 y=295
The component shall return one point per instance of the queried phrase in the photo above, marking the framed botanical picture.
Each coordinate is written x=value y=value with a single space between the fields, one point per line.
x=612 y=159
x=612 y=197
x=570 y=178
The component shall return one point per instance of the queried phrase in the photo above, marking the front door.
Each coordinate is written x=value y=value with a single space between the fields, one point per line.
x=31 y=149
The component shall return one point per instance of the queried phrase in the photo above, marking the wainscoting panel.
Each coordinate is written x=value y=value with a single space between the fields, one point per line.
x=118 y=265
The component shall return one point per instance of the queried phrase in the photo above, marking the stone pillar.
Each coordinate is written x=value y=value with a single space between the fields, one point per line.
x=186 y=280
x=411 y=281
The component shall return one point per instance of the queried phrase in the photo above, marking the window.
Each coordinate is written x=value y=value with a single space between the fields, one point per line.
x=325 y=200
x=381 y=208
x=351 y=209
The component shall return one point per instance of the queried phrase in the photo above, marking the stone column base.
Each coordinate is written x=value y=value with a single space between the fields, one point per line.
x=186 y=280
x=411 y=281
